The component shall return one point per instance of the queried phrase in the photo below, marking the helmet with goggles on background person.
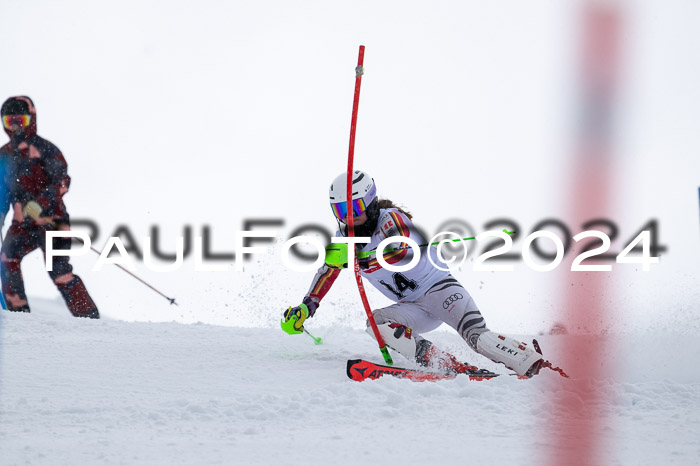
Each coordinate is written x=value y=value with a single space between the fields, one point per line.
x=19 y=119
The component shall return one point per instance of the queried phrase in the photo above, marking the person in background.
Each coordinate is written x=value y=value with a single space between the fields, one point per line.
x=34 y=183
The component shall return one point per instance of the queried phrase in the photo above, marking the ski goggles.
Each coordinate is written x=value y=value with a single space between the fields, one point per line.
x=20 y=120
x=340 y=209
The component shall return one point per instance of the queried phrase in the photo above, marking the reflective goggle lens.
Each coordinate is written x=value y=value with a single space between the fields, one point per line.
x=340 y=208
x=19 y=120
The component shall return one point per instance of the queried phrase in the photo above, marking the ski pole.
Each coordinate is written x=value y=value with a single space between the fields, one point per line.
x=505 y=230
x=359 y=71
x=317 y=341
x=290 y=327
x=172 y=300
x=33 y=210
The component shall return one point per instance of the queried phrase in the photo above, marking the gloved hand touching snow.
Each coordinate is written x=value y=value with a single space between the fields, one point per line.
x=294 y=317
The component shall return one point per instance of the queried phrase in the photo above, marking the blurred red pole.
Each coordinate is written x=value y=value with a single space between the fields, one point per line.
x=577 y=431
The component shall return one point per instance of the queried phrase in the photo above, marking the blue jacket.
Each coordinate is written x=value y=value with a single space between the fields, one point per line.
x=4 y=191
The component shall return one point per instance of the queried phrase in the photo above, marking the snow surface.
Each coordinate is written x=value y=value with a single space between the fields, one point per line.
x=77 y=391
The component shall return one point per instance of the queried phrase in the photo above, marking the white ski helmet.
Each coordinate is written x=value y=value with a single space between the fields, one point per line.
x=364 y=191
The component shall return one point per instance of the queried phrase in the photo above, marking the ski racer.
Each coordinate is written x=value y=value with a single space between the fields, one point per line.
x=35 y=182
x=425 y=296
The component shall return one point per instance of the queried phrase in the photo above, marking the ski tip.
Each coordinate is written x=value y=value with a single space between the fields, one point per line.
x=351 y=362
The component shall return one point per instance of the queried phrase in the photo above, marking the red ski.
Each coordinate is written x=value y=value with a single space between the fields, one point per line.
x=359 y=370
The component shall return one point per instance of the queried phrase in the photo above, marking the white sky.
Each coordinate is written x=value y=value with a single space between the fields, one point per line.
x=178 y=114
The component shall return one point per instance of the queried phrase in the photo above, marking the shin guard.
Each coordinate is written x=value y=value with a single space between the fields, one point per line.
x=515 y=355
x=399 y=338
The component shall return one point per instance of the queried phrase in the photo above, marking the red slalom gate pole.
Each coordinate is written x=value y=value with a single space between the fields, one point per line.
x=359 y=71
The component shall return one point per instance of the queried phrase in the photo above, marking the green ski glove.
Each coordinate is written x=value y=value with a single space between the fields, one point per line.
x=294 y=317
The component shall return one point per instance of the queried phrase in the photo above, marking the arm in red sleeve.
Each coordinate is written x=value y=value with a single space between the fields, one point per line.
x=320 y=285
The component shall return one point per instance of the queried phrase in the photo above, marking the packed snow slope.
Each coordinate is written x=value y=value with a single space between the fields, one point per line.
x=79 y=391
